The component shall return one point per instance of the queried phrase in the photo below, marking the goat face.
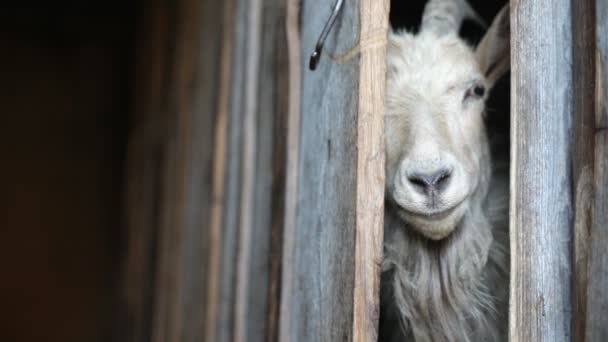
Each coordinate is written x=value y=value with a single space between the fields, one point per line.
x=438 y=158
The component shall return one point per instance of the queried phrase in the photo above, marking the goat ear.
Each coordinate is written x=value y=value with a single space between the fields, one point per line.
x=493 y=52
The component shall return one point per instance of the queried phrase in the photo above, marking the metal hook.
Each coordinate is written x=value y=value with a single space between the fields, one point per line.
x=316 y=55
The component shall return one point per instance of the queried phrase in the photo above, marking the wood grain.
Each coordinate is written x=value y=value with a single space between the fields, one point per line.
x=320 y=294
x=263 y=294
x=292 y=28
x=541 y=195
x=583 y=31
x=597 y=300
x=175 y=116
x=219 y=178
x=247 y=216
x=370 y=168
x=247 y=220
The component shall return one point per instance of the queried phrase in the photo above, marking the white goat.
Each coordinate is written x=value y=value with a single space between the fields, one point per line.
x=446 y=246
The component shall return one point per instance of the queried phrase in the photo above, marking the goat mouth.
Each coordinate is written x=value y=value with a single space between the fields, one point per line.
x=436 y=215
x=432 y=215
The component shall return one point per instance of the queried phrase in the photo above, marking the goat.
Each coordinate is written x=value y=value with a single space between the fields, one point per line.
x=445 y=270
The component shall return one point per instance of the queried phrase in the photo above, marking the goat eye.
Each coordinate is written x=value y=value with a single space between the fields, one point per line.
x=476 y=91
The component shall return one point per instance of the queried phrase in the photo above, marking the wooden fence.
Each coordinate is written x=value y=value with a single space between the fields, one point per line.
x=256 y=187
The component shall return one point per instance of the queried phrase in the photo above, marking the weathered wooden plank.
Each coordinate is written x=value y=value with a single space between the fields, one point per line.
x=236 y=188
x=597 y=300
x=541 y=200
x=267 y=196
x=249 y=147
x=276 y=73
x=244 y=292
x=370 y=168
x=195 y=85
x=320 y=296
x=292 y=156
x=190 y=103
x=583 y=31
x=214 y=283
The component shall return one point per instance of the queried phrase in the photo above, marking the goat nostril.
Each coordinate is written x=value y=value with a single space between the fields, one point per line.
x=442 y=177
x=418 y=181
x=430 y=182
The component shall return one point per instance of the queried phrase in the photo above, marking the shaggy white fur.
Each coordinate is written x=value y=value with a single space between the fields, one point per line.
x=446 y=249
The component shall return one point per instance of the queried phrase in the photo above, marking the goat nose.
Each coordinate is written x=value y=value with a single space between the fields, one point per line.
x=430 y=182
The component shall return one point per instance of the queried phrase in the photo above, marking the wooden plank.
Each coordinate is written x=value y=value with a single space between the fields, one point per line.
x=541 y=199
x=230 y=317
x=219 y=179
x=292 y=156
x=370 y=168
x=268 y=192
x=244 y=279
x=583 y=31
x=597 y=300
x=194 y=100
x=276 y=101
x=246 y=258
x=189 y=103
x=318 y=299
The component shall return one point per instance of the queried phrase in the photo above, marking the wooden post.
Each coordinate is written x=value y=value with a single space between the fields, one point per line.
x=370 y=168
x=541 y=196
x=597 y=298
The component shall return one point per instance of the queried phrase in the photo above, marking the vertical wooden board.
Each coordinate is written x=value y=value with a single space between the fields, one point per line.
x=583 y=31
x=251 y=104
x=269 y=91
x=238 y=19
x=275 y=72
x=541 y=200
x=195 y=100
x=597 y=303
x=292 y=156
x=320 y=300
x=218 y=190
x=370 y=168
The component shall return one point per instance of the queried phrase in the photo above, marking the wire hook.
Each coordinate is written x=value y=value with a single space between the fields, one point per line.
x=316 y=54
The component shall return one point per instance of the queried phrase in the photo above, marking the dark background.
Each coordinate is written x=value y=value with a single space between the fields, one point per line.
x=64 y=99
